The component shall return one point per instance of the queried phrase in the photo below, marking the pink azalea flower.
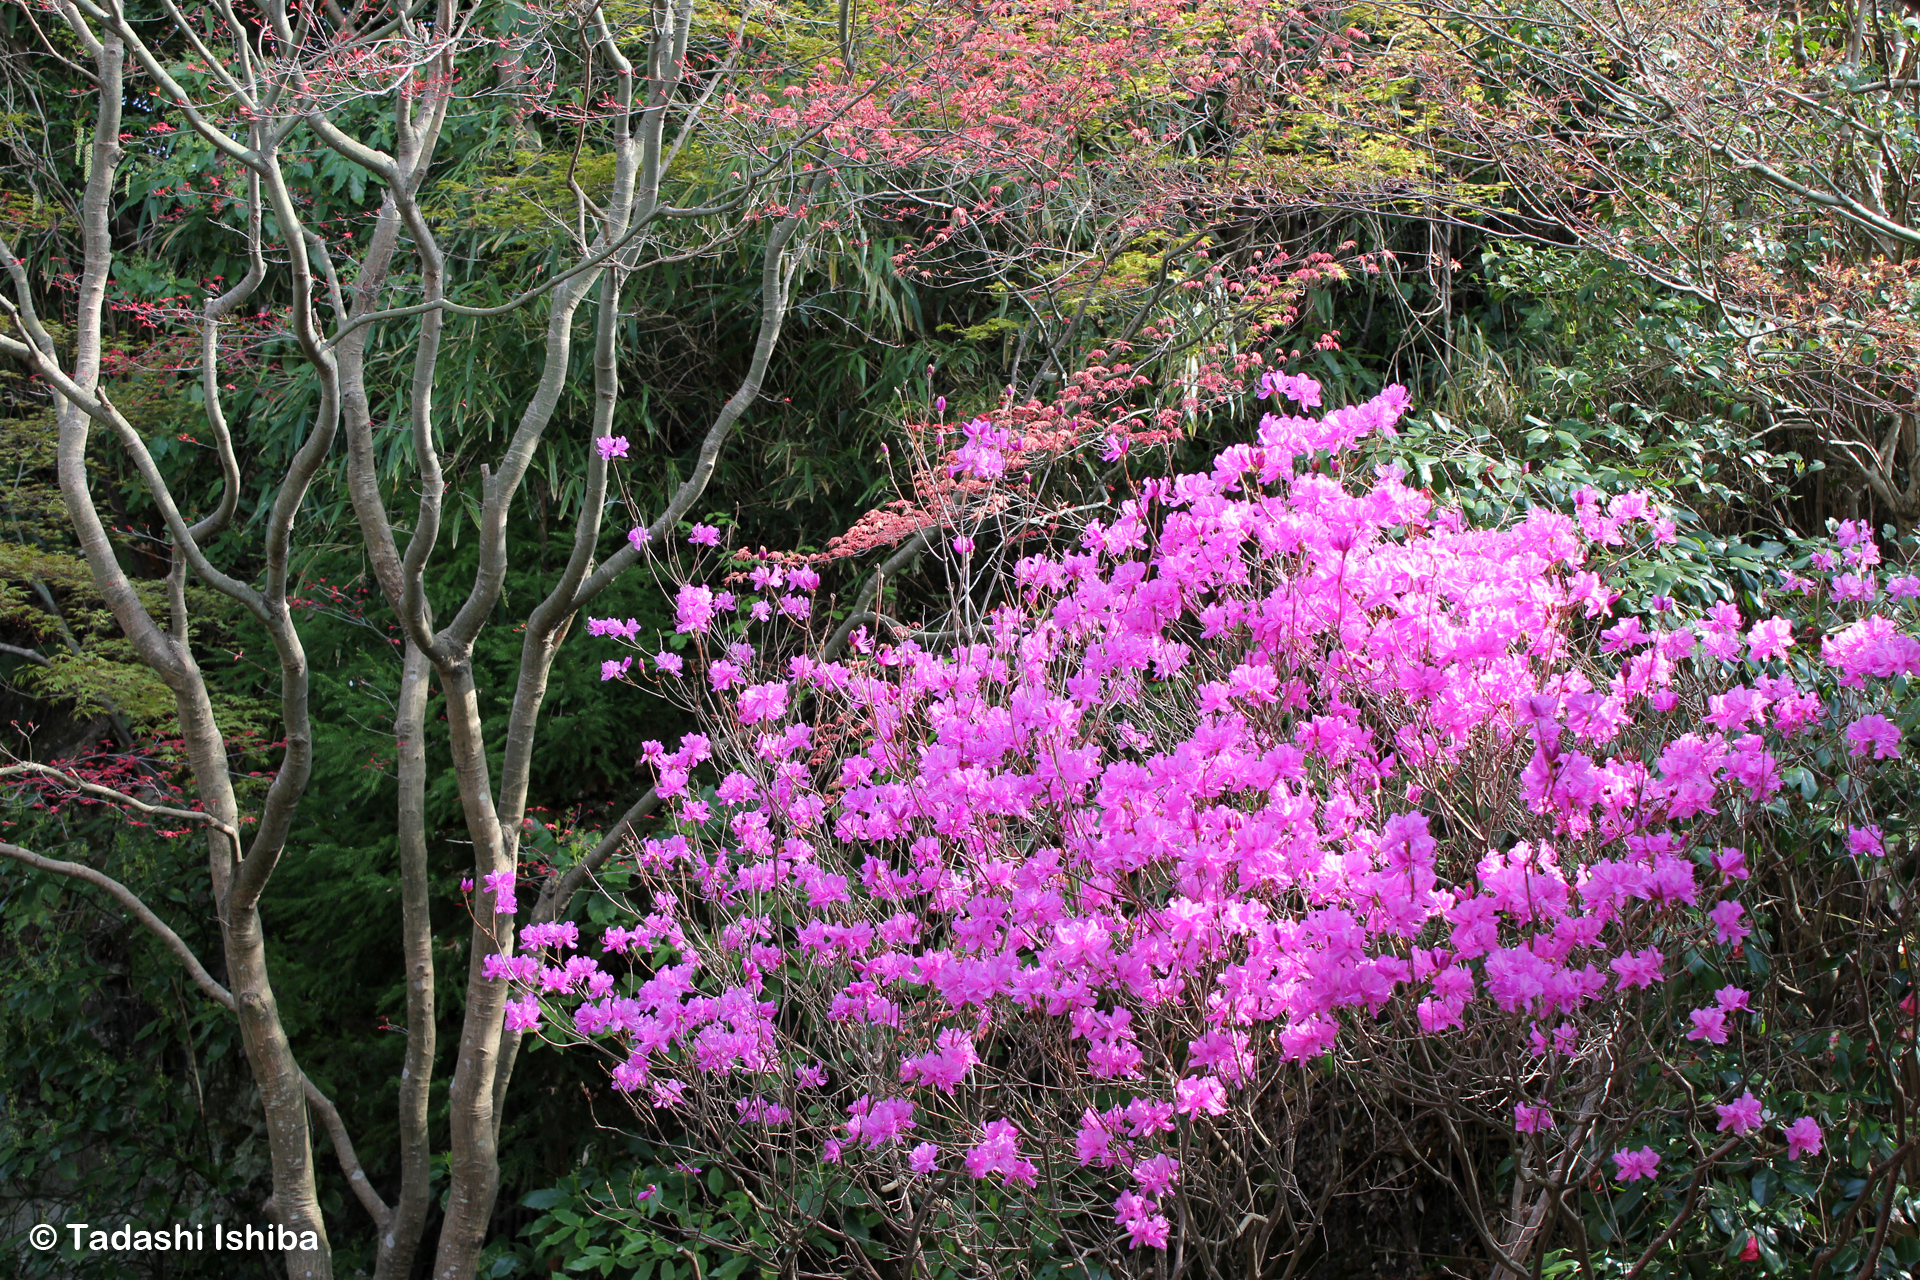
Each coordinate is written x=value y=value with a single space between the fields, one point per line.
x=1143 y=1226
x=1199 y=1095
x=1877 y=733
x=1803 y=1138
x=1769 y=639
x=1709 y=1025
x=1635 y=1165
x=1156 y=1175
x=1638 y=969
x=763 y=702
x=878 y=1123
x=1731 y=863
x=1742 y=1115
x=1299 y=388
x=523 y=1014
x=1727 y=924
x=1866 y=842
x=999 y=1153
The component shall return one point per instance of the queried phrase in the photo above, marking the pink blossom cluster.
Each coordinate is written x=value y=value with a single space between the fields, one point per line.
x=1183 y=775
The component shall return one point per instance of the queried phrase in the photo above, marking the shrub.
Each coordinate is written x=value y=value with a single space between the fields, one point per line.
x=1035 y=937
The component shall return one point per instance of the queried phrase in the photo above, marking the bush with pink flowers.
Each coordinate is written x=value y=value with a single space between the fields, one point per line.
x=1067 y=927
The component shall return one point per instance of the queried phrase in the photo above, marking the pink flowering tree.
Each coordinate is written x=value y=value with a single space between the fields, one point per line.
x=1062 y=926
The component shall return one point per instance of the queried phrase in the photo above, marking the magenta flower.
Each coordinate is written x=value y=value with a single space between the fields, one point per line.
x=1742 y=1115
x=693 y=608
x=1093 y=1143
x=564 y=935
x=1136 y=1214
x=1299 y=388
x=1769 y=639
x=946 y=1066
x=613 y=627
x=1638 y=969
x=1803 y=1138
x=1860 y=587
x=1626 y=634
x=1709 y=1025
x=1876 y=732
x=500 y=885
x=878 y=1123
x=763 y=702
x=1199 y=1095
x=639 y=536
x=999 y=1153
x=523 y=1014
x=611 y=446
x=984 y=452
x=1635 y=1165
x=1866 y=842
x=704 y=535
x=1529 y=1119
x=1727 y=924
x=1156 y=1175
x=924 y=1158
x=1870 y=647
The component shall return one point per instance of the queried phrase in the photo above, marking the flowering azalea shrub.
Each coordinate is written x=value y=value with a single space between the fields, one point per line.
x=1044 y=935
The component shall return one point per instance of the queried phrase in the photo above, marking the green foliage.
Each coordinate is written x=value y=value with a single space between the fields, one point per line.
x=103 y=678
x=124 y=1094
x=642 y=1220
